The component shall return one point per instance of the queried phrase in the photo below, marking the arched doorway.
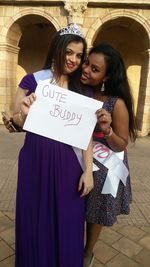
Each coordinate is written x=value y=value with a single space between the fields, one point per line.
x=34 y=43
x=26 y=47
x=36 y=33
x=131 y=39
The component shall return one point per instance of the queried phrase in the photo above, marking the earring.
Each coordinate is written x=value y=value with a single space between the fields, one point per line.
x=103 y=87
x=52 y=65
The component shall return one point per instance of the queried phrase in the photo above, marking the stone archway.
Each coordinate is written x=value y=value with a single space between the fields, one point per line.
x=36 y=36
x=115 y=14
x=24 y=47
x=24 y=12
x=129 y=32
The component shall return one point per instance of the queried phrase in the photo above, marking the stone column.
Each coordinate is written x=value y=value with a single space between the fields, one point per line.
x=143 y=108
x=75 y=11
x=8 y=73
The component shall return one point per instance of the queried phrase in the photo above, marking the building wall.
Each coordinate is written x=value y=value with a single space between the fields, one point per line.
x=26 y=29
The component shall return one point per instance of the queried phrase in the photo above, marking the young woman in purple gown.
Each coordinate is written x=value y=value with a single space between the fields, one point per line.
x=104 y=70
x=50 y=203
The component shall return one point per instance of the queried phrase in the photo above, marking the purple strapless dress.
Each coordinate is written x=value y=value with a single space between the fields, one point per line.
x=49 y=209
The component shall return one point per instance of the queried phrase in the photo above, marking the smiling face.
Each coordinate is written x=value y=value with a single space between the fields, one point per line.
x=74 y=53
x=94 y=70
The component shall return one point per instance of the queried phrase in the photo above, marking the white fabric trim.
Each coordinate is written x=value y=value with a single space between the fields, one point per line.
x=42 y=75
x=116 y=168
x=113 y=161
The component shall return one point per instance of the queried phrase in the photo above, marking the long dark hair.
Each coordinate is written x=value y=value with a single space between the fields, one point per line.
x=117 y=83
x=56 y=58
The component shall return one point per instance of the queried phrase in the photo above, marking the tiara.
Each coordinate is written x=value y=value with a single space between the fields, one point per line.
x=71 y=28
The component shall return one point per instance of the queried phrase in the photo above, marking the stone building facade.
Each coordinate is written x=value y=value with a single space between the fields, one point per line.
x=26 y=29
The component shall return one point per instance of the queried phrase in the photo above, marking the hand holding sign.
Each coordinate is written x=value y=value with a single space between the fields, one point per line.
x=27 y=101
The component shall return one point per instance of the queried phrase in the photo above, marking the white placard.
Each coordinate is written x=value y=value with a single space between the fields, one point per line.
x=62 y=115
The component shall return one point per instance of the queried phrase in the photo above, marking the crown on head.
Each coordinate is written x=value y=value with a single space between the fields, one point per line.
x=71 y=28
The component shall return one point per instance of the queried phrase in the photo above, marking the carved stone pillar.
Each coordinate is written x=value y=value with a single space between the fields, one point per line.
x=8 y=68
x=75 y=11
x=143 y=110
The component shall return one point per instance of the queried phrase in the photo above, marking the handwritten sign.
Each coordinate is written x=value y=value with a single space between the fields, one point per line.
x=62 y=115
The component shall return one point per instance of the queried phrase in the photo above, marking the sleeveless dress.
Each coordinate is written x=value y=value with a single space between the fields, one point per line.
x=103 y=209
x=49 y=210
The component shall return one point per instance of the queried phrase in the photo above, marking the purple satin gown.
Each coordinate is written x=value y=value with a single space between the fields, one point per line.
x=49 y=209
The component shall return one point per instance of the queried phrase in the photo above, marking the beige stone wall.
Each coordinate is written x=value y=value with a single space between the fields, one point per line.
x=26 y=31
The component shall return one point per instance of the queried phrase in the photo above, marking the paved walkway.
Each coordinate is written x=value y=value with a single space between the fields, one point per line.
x=126 y=244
